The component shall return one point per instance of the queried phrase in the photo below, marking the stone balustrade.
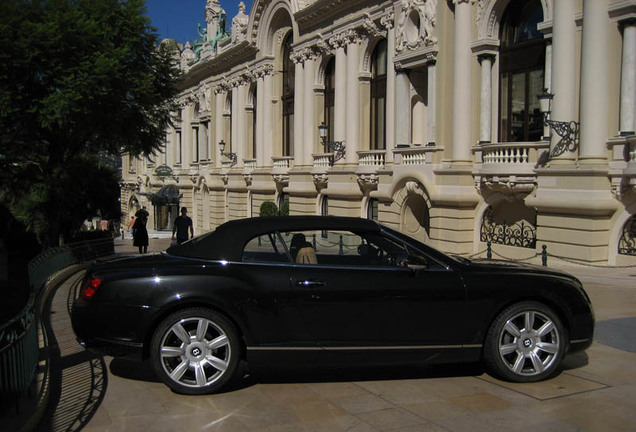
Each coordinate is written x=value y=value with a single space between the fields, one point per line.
x=374 y=158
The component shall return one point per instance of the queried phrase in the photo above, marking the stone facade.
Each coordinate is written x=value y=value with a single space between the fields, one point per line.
x=435 y=102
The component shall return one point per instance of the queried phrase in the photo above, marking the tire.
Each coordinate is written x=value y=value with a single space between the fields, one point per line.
x=525 y=343
x=195 y=351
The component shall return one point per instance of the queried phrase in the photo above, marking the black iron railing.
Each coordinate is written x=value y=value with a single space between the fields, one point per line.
x=520 y=234
x=19 y=346
x=627 y=242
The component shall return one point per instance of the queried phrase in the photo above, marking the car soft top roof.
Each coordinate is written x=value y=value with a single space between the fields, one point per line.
x=228 y=240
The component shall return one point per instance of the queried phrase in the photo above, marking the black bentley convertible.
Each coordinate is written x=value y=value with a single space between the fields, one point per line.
x=326 y=290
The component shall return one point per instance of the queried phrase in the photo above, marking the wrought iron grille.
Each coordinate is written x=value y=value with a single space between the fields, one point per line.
x=519 y=234
x=627 y=242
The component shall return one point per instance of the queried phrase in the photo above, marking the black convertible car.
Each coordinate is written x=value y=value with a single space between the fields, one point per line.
x=326 y=290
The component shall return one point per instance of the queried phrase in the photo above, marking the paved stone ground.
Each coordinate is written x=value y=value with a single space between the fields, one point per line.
x=595 y=392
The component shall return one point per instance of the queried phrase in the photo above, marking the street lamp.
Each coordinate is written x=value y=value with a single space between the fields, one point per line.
x=568 y=131
x=337 y=147
x=232 y=156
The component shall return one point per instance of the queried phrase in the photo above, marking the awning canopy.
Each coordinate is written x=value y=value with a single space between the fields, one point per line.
x=167 y=195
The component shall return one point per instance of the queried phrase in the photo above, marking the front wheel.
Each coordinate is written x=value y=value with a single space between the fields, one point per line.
x=525 y=343
x=195 y=351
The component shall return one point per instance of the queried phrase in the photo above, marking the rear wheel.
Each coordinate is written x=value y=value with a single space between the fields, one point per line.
x=525 y=343
x=195 y=351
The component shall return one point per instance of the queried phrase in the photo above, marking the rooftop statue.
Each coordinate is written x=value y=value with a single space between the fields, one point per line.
x=220 y=31
x=197 y=45
x=239 y=24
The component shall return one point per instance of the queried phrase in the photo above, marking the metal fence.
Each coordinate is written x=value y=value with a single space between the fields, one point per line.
x=19 y=347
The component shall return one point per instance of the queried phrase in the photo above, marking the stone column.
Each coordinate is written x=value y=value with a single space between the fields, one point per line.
x=628 y=79
x=594 y=85
x=390 y=92
x=235 y=147
x=340 y=103
x=485 y=118
x=353 y=100
x=299 y=89
x=547 y=80
x=402 y=108
x=432 y=97
x=310 y=128
x=268 y=122
x=563 y=69
x=186 y=137
x=462 y=85
x=260 y=130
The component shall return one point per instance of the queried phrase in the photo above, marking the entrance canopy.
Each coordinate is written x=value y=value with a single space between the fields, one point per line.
x=167 y=196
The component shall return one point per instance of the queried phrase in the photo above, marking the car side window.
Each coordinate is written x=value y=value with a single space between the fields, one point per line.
x=346 y=248
x=265 y=248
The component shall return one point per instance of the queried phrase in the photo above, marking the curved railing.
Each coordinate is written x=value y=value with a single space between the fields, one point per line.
x=19 y=347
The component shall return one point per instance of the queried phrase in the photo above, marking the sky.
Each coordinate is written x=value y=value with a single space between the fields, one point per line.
x=178 y=19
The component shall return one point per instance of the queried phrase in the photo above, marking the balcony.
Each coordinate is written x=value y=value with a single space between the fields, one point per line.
x=508 y=167
x=281 y=165
x=369 y=162
x=622 y=164
x=414 y=155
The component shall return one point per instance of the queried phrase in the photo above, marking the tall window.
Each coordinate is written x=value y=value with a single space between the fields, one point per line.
x=378 y=96
x=522 y=67
x=330 y=97
x=288 y=98
x=195 y=144
x=178 y=148
x=372 y=209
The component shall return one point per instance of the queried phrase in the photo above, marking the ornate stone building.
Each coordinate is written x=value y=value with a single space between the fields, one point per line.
x=432 y=122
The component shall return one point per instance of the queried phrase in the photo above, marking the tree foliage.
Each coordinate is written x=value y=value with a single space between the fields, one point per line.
x=77 y=77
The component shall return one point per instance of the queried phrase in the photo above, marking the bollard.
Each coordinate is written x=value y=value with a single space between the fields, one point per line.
x=340 y=252
x=544 y=256
x=489 y=251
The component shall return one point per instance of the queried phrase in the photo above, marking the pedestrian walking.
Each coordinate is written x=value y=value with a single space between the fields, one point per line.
x=130 y=225
x=182 y=226
x=140 y=235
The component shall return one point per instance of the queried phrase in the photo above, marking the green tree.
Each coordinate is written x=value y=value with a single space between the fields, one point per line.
x=268 y=208
x=77 y=77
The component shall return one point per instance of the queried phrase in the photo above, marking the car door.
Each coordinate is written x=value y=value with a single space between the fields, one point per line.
x=270 y=311
x=349 y=299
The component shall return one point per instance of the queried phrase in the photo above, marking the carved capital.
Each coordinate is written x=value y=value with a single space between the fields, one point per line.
x=371 y=28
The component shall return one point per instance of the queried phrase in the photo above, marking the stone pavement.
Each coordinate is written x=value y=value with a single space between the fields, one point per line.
x=595 y=392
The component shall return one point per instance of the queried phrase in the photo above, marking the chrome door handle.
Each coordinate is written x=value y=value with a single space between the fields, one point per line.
x=310 y=283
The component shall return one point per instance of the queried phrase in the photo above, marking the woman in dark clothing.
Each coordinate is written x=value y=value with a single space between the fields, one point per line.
x=140 y=234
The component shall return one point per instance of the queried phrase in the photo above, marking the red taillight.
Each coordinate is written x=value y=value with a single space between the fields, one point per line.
x=89 y=289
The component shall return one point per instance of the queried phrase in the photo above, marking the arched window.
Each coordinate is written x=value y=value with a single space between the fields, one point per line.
x=522 y=57
x=378 y=96
x=288 y=97
x=330 y=97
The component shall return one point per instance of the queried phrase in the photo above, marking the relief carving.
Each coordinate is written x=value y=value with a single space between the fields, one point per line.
x=415 y=24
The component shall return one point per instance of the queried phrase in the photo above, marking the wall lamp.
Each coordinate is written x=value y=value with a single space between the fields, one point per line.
x=231 y=156
x=337 y=147
x=568 y=131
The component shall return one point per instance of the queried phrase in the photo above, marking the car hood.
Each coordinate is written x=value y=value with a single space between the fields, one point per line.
x=501 y=266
